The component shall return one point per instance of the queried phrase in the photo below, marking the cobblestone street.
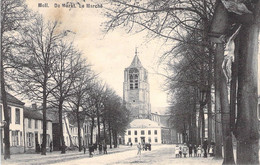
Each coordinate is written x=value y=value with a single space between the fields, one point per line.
x=160 y=154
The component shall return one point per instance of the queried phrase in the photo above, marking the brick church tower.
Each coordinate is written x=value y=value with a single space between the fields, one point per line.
x=136 y=90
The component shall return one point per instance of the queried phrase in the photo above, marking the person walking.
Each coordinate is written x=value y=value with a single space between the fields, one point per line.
x=195 y=151
x=199 y=151
x=205 y=147
x=177 y=151
x=105 y=148
x=139 y=147
x=51 y=146
x=190 y=150
x=180 y=151
x=184 y=150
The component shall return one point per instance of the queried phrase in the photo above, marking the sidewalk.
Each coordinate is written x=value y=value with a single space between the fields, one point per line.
x=56 y=156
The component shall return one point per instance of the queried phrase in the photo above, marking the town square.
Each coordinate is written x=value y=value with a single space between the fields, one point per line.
x=130 y=82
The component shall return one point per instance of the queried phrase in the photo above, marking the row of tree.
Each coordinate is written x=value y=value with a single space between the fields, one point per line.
x=198 y=34
x=40 y=62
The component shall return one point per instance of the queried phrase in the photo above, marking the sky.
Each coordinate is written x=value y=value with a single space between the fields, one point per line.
x=109 y=54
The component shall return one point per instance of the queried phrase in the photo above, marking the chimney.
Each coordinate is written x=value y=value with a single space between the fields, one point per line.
x=34 y=106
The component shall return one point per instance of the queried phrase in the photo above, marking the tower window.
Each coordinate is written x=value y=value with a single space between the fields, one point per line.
x=133 y=77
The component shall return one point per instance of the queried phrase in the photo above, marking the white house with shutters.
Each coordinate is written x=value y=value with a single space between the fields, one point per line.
x=33 y=127
x=15 y=108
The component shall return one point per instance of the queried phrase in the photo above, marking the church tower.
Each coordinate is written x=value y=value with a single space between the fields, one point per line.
x=136 y=90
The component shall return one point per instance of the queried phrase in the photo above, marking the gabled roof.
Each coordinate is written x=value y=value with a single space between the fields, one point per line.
x=34 y=114
x=11 y=99
x=144 y=123
x=136 y=63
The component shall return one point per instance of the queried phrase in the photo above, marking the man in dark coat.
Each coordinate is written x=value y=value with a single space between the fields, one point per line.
x=205 y=147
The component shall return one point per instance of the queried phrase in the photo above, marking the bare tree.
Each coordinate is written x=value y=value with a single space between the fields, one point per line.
x=13 y=15
x=35 y=58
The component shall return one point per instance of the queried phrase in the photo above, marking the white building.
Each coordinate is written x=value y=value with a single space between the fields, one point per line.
x=15 y=108
x=144 y=130
x=33 y=127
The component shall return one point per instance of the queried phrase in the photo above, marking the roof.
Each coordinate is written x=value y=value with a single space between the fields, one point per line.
x=136 y=62
x=12 y=99
x=34 y=114
x=144 y=123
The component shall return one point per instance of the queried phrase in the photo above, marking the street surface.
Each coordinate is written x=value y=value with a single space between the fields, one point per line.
x=160 y=155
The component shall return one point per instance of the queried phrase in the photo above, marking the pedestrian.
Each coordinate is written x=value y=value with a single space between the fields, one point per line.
x=199 y=151
x=84 y=148
x=185 y=150
x=139 y=147
x=51 y=146
x=180 y=151
x=205 y=147
x=131 y=144
x=190 y=150
x=91 y=150
x=100 y=148
x=150 y=147
x=211 y=151
x=195 y=151
x=105 y=148
x=177 y=151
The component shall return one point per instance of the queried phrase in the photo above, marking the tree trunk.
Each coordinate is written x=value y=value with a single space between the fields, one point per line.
x=110 y=138
x=218 y=125
x=98 y=124
x=63 y=151
x=209 y=105
x=68 y=131
x=44 y=106
x=78 y=122
x=202 y=122
x=247 y=122
x=92 y=129
x=220 y=24
x=225 y=109
x=6 y=112
x=104 y=128
x=199 y=131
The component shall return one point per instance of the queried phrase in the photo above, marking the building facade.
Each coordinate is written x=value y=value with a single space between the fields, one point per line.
x=15 y=108
x=33 y=127
x=136 y=92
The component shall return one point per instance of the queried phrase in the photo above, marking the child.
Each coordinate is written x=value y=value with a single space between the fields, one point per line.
x=199 y=151
x=185 y=150
x=211 y=151
x=180 y=151
x=177 y=150
x=195 y=151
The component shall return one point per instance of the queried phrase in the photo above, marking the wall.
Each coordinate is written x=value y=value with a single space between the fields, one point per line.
x=16 y=130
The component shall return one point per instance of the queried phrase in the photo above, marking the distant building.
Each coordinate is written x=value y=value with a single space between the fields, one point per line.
x=33 y=127
x=145 y=126
x=15 y=108
x=136 y=90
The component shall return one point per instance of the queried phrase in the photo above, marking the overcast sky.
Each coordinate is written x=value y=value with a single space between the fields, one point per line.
x=109 y=54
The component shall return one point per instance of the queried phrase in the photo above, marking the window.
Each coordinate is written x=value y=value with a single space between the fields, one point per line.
x=155 y=132
x=29 y=137
x=135 y=132
x=29 y=123
x=15 y=140
x=149 y=140
x=155 y=140
x=36 y=124
x=129 y=140
x=129 y=132
x=149 y=132
x=142 y=132
x=136 y=140
x=10 y=114
x=17 y=116
x=21 y=138
x=133 y=77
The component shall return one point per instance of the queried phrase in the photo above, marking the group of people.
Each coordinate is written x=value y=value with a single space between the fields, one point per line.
x=184 y=150
x=144 y=146
x=100 y=147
